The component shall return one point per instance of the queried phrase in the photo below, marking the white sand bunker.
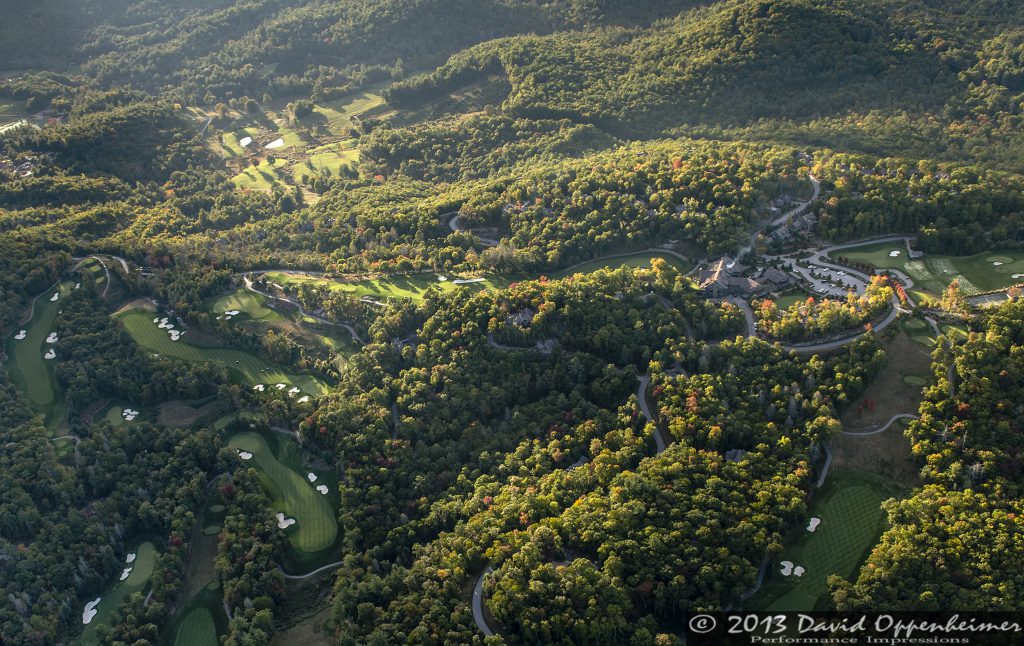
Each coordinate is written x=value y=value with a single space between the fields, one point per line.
x=78 y=285
x=997 y=264
x=232 y=312
x=894 y=253
x=798 y=570
x=467 y=281
x=813 y=525
x=175 y=334
x=282 y=522
x=322 y=489
x=442 y=278
x=129 y=415
x=293 y=391
x=21 y=335
x=164 y=325
x=277 y=143
x=244 y=141
x=156 y=320
x=303 y=399
x=130 y=558
x=50 y=354
x=126 y=573
x=259 y=387
x=90 y=611
x=53 y=299
x=1017 y=276
x=245 y=455
x=787 y=568
x=52 y=338
x=280 y=386
x=311 y=476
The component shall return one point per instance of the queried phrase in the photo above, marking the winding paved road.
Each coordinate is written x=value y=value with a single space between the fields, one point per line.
x=453 y=224
x=891 y=421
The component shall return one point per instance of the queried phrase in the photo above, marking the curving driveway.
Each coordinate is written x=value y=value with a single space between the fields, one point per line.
x=885 y=426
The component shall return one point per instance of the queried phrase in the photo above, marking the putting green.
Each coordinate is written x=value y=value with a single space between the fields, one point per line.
x=142 y=570
x=28 y=369
x=244 y=366
x=316 y=525
x=247 y=302
x=851 y=521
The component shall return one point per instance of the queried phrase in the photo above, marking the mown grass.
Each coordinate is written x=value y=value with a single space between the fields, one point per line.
x=253 y=305
x=415 y=286
x=244 y=366
x=30 y=372
x=261 y=177
x=142 y=570
x=202 y=621
x=849 y=507
x=933 y=273
x=291 y=493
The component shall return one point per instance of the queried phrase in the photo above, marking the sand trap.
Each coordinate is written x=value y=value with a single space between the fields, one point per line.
x=303 y=399
x=442 y=278
x=130 y=558
x=245 y=455
x=284 y=523
x=78 y=285
x=164 y=325
x=219 y=318
x=813 y=525
x=798 y=570
x=21 y=335
x=280 y=386
x=894 y=254
x=997 y=264
x=244 y=141
x=787 y=568
x=52 y=338
x=175 y=335
x=322 y=489
x=277 y=143
x=467 y=281
x=156 y=320
x=50 y=354
x=259 y=387
x=53 y=299
x=1017 y=276
x=129 y=415
x=311 y=476
x=232 y=312
x=90 y=611
x=127 y=571
x=293 y=391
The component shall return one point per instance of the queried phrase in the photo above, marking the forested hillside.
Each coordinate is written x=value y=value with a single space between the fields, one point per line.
x=505 y=322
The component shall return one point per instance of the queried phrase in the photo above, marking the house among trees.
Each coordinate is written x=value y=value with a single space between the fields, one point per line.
x=522 y=318
x=723 y=278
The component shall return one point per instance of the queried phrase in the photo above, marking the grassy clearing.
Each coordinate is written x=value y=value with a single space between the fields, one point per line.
x=94 y=269
x=283 y=478
x=415 y=286
x=31 y=373
x=328 y=161
x=253 y=305
x=142 y=570
x=244 y=366
x=984 y=272
x=337 y=116
x=851 y=522
x=641 y=259
x=890 y=394
x=261 y=177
